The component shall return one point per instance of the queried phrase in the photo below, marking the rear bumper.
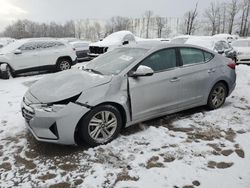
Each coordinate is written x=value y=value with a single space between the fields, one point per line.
x=231 y=89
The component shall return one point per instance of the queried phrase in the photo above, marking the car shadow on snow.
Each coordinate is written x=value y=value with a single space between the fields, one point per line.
x=50 y=149
x=54 y=150
x=167 y=120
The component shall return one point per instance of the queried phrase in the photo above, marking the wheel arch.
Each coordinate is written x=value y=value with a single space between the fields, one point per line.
x=118 y=106
x=223 y=82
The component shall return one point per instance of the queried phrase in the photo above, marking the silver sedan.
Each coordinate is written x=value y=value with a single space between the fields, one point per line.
x=123 y=87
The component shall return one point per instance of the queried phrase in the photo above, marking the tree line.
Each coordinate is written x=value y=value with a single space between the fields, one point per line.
x=219 y=17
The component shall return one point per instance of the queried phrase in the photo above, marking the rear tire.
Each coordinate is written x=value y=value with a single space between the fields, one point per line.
x=63 y=64
x=100 y=126
x=217 y=96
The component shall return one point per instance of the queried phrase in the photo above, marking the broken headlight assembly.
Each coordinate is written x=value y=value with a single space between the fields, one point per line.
x=56 y=106
x=48 y=107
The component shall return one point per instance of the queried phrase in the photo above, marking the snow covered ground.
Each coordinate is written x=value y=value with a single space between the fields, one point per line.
x=194 y=148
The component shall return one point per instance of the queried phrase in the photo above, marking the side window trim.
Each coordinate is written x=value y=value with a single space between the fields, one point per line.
x=212 y=56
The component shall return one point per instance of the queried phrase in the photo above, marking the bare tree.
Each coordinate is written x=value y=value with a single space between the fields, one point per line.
x=245 y=8
x=232 y=11
x=223 y=10
x=160 y=24
x=98 y=30
x=211 y=13
x=148 y=15
x=190 y=19
x=69 y=29
x=79 y=28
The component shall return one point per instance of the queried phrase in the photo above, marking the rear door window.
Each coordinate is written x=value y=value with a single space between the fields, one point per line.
x=208 y=56
x=191 y=56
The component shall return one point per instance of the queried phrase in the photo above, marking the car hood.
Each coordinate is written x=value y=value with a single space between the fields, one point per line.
x=66 y=84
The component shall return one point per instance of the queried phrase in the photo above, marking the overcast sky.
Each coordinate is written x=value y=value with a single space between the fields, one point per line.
x=63 y=10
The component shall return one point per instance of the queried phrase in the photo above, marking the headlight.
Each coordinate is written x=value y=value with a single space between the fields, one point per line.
x=47 y=108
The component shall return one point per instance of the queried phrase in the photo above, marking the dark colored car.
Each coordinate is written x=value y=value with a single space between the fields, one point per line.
x=223 y=47
x=82 y=50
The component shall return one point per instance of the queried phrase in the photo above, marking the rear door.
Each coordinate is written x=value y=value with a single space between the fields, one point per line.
x=160 y=92
x=50 y=51
x=195 y=75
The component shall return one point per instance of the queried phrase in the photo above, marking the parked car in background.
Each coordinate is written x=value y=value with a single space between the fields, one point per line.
x=5 y=41
x=35 y=54
x=229 y=38
x=218 y=45
x=242 y=46
x=111 y=42
x=123 y=87
x=180 y=39
x=82 y=50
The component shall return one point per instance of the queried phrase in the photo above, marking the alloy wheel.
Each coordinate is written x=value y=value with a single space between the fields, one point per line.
x=102 y=126
x=64 y=65
x=218 y=96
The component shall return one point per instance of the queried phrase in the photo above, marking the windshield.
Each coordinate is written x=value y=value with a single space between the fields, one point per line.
x=179 y=41
x=115 y=37
x=115 y=61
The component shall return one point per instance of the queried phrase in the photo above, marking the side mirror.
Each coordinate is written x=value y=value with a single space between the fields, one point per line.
x=142 y=71
x=17 y=52
x=125 y=42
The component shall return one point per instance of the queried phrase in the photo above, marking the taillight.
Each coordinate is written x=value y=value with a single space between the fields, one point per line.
x=232 y=65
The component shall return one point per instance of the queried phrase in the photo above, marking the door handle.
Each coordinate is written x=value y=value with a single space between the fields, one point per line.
x=175 y=79
x=211 y=70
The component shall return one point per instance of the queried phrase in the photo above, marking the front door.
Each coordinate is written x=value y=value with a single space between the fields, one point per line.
x=28 y=58
x=160 y=92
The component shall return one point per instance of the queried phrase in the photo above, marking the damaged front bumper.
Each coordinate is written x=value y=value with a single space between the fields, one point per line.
x=54 y=127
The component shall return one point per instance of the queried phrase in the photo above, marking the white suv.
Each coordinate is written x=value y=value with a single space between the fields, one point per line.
x=35 y=54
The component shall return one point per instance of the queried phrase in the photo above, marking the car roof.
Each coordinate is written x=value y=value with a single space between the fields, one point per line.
x=154 y=46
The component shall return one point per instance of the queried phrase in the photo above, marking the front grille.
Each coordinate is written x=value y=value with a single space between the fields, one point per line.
x=28 y=115
x=97 y=50
x=27 y=112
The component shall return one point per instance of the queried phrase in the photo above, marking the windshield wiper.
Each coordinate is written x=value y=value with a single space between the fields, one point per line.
x=93 y=70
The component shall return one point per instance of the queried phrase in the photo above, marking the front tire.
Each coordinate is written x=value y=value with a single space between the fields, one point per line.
x=6 y=71
x=101 y=125
x=63 y=64
x=217 y=96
